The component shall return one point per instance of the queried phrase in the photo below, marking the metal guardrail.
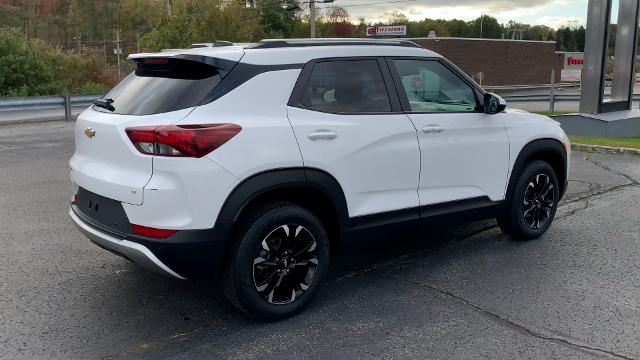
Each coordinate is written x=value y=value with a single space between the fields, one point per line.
x=45 y=102
x=529 y=87
x=551 y=98
x=526 y=98
x=66 y=102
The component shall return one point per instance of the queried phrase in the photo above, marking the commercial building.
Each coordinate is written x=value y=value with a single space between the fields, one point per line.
x=500 y=61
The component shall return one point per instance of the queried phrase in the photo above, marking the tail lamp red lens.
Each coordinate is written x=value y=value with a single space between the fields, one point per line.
x=181 y=140
x=152 y=232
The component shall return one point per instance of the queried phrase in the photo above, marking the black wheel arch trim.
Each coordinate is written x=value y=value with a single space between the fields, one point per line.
x=529 y=151
x=278 y=179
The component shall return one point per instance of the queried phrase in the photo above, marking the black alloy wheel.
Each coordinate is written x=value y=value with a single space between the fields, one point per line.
x=279 y=259
x=286 y=264
x=531 y=201
x=539 y=201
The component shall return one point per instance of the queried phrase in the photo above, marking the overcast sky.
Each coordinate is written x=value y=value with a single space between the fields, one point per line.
x=552 y=13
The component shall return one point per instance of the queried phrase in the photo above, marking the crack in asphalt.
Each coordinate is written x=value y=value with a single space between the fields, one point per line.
x=606 y=168
x=152 y=344
x=574 y=211
x=523 y=328
x=595 y=192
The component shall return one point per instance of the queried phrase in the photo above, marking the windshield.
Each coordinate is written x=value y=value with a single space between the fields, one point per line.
x=161 y=85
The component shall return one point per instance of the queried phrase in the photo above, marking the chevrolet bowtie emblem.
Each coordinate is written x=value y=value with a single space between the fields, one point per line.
x=89 y=132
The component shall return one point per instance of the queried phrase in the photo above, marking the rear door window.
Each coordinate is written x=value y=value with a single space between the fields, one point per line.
x=161 y=85
x=347 y=86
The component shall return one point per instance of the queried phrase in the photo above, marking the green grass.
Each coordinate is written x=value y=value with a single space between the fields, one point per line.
x=551 y=113
x=626 y=142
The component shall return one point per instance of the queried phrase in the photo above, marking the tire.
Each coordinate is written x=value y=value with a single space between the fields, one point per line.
x=532 y=203
x=280 y=258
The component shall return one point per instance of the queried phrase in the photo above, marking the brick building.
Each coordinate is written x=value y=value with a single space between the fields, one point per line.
x=503 y=62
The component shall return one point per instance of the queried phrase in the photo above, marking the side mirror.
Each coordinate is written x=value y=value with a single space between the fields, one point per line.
x=493 y=103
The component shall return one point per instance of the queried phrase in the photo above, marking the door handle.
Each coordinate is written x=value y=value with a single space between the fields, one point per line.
x=432 y=129
x=322 y=135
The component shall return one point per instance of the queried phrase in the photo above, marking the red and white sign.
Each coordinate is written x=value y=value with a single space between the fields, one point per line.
x=387 y=30
x=573 y=60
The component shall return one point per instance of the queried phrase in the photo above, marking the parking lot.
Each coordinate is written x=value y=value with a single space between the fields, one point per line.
x=464 y=292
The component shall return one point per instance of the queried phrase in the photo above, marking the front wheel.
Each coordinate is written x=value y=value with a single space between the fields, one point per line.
x=533 y=202
x=281 y=258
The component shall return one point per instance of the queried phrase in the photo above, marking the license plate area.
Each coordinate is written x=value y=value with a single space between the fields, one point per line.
x=108 y=213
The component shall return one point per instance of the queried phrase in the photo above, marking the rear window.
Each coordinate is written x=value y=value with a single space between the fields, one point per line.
x=161 y=85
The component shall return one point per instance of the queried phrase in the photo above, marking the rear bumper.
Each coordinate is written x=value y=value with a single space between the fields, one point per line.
x=132 y=251
x=188 y=254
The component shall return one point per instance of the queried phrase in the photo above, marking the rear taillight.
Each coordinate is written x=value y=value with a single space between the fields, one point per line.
x=181 y=140
x=152 y=232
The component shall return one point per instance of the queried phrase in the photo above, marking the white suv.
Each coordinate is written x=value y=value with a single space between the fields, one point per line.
x=255 y=161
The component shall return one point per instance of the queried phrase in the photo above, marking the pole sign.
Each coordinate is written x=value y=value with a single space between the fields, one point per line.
x=573 y=60
x=387 y=30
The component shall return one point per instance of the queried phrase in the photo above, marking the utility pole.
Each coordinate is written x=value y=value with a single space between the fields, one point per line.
x=169 y=8
x=138 y=42
x=118 y=50
x=481 y=18
x=104 y=50
x=312 y=16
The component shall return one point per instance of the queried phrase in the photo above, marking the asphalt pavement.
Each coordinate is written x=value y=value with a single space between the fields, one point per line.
x=464 y=292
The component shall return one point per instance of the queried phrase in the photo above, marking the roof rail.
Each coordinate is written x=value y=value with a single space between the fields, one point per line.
x=215 y=43
x=285 y=43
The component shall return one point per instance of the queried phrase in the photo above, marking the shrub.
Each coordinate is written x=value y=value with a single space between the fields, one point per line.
x=91 y=88
x=30 y=67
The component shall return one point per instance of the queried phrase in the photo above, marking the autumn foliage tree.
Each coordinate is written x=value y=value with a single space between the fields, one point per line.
x=338 y=23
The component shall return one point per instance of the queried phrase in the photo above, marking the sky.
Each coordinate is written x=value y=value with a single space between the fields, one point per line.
x=553 y=13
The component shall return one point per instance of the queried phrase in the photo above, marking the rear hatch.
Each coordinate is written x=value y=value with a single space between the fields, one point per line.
x=163 y=90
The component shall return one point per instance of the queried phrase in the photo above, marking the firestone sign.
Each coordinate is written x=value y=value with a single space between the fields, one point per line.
x=387 y=30
x=573 y=60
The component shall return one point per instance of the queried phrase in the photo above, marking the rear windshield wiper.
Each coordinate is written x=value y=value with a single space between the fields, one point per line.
x=104 y=103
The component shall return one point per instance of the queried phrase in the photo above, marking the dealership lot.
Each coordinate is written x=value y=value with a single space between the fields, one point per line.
x=465 y=292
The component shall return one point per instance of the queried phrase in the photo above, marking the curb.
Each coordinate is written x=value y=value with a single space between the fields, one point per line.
x=605 y=149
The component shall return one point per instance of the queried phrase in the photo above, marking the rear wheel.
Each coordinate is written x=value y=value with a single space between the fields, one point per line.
x=279 y=261
x=533 y=202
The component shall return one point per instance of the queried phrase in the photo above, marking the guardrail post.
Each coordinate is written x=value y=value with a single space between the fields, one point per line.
x=67 y=107
x=552 y=97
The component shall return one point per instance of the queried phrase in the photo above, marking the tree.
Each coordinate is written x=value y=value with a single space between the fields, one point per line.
x=458 y=28
x=396 y=18
x=361 y=27
x=278 y=17
x=424 y=27
x=338 y=23
x=178 y=30
x=486 y=27
x=540 y=32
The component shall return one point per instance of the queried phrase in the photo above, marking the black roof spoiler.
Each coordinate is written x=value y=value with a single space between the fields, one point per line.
x=222 y=64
